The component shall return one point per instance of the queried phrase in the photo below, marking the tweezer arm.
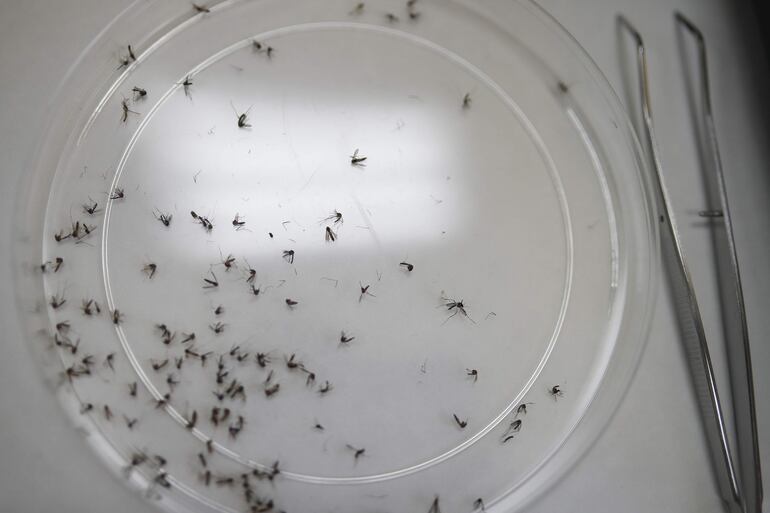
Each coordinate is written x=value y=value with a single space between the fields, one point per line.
x=733 y=309
x=691 y=324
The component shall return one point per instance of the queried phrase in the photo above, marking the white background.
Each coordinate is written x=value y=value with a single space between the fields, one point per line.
x=652 y=456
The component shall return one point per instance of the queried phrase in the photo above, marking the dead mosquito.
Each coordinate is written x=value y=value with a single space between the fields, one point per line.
x=243 y=120
x=238 y=222
x=330 y=235
x=107 y=413
x=87 y=407
x=291 y=303
x=262 y=359
x=410 y=7
x=392 y=18
x=163 y=217
x=132 y=389
x=461 y=423
x=434 y=507
x=479 y=504
x=522 y=409
x=292 y=364
x=272 y=390
x=201 y=8
x=235 y=428
x=344 y=339
x=188 y=337
x=467 y=101
x=210 y=283
x=57 y=301
x=89 y=306
x=228 y=261
x=325 y=388
x=150 y=269
x=186 y=84
x=556 y=392
x=90 y=208
x=109 y=361
x=130 y=423
x=472 y=373
x=117 y=193
x=409 y=267
x=259 y=48
x=217 y=327
x=364 y=291
x=158 y=364
x=288 y=255
x=56 y=264
x=190 y=423
x=126 y=110
x=357 y=160
x=219 y=310
x=335 y=217
x=357 y=453
x=139 y=93
x=456 y=307
x=203 y=221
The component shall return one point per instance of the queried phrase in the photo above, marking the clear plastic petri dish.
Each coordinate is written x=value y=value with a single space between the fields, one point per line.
x=331 y=256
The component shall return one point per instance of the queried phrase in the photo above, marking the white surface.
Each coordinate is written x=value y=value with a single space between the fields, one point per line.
x=652 y=456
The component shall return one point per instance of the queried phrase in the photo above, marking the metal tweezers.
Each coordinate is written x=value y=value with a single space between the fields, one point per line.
x=739 y=474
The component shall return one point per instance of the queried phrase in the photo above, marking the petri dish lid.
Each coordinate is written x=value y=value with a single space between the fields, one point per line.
x=339 y=256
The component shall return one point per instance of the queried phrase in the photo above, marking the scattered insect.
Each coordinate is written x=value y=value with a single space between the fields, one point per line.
x=132 y=389
x=202 y=459
x=238 y=222
x=508 y=438
x=272 y=390
x=210 y=283
x=201 y=8
x=357 y=160
x=107 y=413
x=392 y=18
x=171 y=381
x=259 y=48
x=235 y=428
x=410 y=7
x=210 y=445
x=330 y=235
x=217 y=327
x=310 y=377
x=262 y=359
x=206 y=477
x=522 y=409
x=186 y=85
x=457 y=306
x=479 y=504
x=188 y=337
x=162 y=480
x=126 y=110
x=190 y=423
x=291 y=364
x=358 y=9
x=150 y=269
x=556 y=392
x=288 y=255
x=434 y=507
x=563 y=88
x=243 y=120
x=357 y=453
x=344 y=339
x=158 y=365
x=270 y=234
x=89 y=307
x=117 y=193
x=130 y=423
x=228 y=262
x=163 y=401
x=467 y=101
x=163 y=217
x=139 y=93
x=109 y=361
x=409 y=267
x=461 y=423
x=219 y=310
x=473 y=373
x=57 y=301
x=318 y=426
x=291 y=303
x=91 y=208
x=364 y=292
x=513 y=427
x=325 y=388
x=87 y=407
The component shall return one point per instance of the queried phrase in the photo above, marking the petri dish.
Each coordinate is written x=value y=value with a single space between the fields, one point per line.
x=303 y=256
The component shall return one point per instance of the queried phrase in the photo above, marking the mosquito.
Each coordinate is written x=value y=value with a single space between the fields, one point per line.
x=556 y=392
x=357 y=160
x=467 y=101
x=211 y=283
x=364 y=292
x=186 y=85
x=150 y=269
x=330 y=236
x=472 y=373
x=461 y=423
x=288 y=255
x=409 y=267
x=344 y=339
x=91 y=208
x=163 y=217
x=357 y=452
x=335 y=217
x=456 y=307
x=238 y=222
x=126 y=110
x=117 y=193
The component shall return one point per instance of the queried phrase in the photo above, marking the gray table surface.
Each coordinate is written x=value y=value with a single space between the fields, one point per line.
x=651 y=457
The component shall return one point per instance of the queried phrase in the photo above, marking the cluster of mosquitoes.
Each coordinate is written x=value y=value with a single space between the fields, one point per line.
x=226 y=388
